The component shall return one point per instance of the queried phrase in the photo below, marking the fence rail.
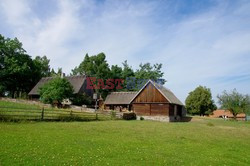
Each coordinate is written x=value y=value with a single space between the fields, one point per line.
x=46 y=114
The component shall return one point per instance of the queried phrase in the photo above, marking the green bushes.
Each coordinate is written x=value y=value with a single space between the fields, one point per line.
x=129 y=116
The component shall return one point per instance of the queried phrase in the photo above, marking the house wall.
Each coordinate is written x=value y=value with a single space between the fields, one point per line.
x=151 y=109
x=150 y=102
x=150 y=94
x=84 y=89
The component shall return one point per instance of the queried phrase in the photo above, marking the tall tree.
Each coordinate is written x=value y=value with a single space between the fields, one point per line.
x=146 y=71
x=127 y=70
x=234 y=102
x=42 y=65
x=200 y=101
x=116 y=72
x=16 y=67
x=95 y=66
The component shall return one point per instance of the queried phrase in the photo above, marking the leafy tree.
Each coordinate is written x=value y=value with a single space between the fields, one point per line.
x=94 y=66
x=116 y=72
x=16 y=67
x=200 y=101
x=146 y=71
x=234 y=102
x=53 y=73
x=56 y=90
x=127 y=70
x=42 y=66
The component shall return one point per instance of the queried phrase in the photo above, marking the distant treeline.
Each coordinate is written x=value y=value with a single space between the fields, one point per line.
x=19 y=72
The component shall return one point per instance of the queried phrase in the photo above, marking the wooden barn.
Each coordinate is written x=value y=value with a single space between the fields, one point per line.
x=152 y=100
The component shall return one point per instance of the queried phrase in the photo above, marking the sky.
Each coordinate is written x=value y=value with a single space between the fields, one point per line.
x=198 y=42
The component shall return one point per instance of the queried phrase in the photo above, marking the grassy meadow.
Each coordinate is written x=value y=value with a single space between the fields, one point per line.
x=199 y=142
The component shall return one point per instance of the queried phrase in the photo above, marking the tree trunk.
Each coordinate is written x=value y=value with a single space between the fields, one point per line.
x=235 y=116
x=12 y=93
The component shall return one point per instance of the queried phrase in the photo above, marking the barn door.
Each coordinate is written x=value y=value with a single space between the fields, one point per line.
x=142 y=109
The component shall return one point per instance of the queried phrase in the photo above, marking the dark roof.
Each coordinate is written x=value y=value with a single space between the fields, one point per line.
x=76 y=81
x=128 y=97
x=170 y=96
x=164 y=91
x=120 y=97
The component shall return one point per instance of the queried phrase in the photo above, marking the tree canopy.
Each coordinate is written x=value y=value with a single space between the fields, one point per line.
x=200 y=101
x=234 y=102
x=56 y=90
x=98 y=67
x=19 y=72
x=16 y=67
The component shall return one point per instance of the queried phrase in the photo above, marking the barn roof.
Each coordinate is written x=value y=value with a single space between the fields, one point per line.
x=128 y=97
x=164 y=91
x=119 y=97
x=75 y=81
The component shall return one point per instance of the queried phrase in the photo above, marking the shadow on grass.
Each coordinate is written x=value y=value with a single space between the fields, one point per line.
x=186 y=119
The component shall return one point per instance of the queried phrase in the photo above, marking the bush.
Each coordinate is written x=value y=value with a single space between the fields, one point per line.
x=81 y=99
x=129 y=116
x=141 y=118
x=56 y=90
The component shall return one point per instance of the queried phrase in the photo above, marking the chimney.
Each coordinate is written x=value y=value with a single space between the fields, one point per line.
x=62 y=75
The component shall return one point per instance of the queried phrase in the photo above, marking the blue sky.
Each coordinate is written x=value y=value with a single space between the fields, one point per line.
x=198 y=42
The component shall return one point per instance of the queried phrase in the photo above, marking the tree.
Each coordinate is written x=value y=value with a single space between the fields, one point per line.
x=116 y=72
x=234 y=102
x=127 y=70
x=127 y=73
x=56 y=90
x=95 y=66
x=56 y=74
x=42 y=66
x=16 y=68
x=200 y=101
x=146 y=72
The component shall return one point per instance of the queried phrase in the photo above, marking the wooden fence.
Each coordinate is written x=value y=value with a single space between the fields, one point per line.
x=46 y=114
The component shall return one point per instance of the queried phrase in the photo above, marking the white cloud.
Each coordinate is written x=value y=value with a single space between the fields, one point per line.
x=205 y=48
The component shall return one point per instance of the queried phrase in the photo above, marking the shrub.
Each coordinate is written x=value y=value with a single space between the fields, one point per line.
x=56 y=90
x=81 y=99
x=141 y=118
x=129 y=116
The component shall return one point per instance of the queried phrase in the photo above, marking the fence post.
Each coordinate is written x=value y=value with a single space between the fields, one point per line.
x=96 y=116
x=71 y=114
x=42 y=116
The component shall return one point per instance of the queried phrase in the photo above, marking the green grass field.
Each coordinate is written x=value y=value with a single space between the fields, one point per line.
x=200 y=142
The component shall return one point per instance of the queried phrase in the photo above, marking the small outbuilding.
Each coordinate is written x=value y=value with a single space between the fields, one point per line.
x=153 y=99
x=226 y=114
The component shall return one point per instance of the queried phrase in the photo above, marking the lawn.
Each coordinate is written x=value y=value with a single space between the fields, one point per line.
x=200 y=142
